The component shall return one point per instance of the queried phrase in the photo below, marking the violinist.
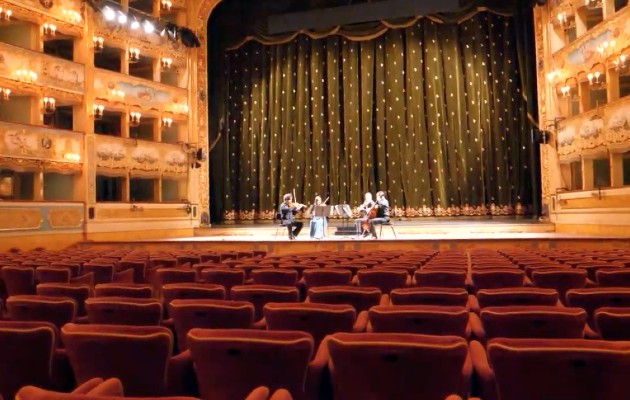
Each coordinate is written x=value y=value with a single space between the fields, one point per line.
x=364 y=209
x=382 y=213
x=287 y=209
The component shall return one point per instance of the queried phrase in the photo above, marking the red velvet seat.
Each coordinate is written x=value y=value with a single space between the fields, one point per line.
x=495 y=278
x=53 y=275
x=230 y=363
x=103 y=273
x=613 y=277
x=278 y=277
x=259 y=295
x=612 y=323
x=577 y=369
x=361 y=298
x=421 y=319
x=319 y=320
x=326 y=277
x=384 y=279
x=228 y=278
x=123 y=311
x=55 y=310
x=211 y=314
x=174 y=291
x=594 y=298
x=18 y=280
x=430 y=296
x=398 y=366
x=140 y=356
x=137 y=290
x=530 y=322
x=78 y=292
x=523 y=296
x=440 y=277
x=560 y=279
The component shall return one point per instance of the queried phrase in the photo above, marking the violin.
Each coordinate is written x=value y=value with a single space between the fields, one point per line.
x=297 y=205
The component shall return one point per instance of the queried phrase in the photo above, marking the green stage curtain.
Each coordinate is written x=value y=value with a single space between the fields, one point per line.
x=433 y=114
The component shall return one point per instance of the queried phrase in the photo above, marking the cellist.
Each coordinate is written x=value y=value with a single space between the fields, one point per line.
x=382 y=213
x=364 y=209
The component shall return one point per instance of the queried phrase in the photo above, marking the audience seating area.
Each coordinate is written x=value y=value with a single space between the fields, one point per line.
x=430 y=325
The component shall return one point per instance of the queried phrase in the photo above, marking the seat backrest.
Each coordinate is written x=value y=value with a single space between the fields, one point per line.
x=56 y=310
x=594 y=298
x=574 y=369
x=259 y=295
x=137 y=266
x=137 y=355
x=613 y=277
x=27 y=353
x=123 y=311
x=211 y=314
x=18 y=280
x=384 y=279
x=444 y=277
x=517 y=297
x=173 y=291
x=430 y=296
x=560 y=279
x=493 y=278
x=53 y=274
x=280 y=277
x=422 y=319
x=137 y=290
x=78 y=292
x=103 y=273
x=319 y=320
x=534 y=322
x=613 y=323
x=397 y=366
x=231 y=363
x=361 y=298
x=227 y=278
x=326 y=277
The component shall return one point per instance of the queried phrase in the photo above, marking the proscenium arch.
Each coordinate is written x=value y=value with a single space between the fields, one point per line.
x=199 y=18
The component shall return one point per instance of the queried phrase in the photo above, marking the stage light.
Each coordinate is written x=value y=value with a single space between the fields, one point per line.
x=122 y=18
x=188 y=37
x=148 y=27
x=135 y=24
x=109 y=14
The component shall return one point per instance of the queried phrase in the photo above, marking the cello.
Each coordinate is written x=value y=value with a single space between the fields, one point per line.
x=371 y=214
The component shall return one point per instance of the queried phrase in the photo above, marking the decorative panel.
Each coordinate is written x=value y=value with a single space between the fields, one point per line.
x=130 y=154
x=53 y=74
x=595 y=131
x=67 y=15
x=140 y=92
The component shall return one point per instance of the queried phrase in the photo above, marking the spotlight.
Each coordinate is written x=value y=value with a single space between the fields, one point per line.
x=148 y=27
x=135 y=24
x=188 y=37
x=109 y=14
x=122 y=18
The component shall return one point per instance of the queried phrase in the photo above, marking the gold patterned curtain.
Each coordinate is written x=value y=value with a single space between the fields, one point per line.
x=433 y=114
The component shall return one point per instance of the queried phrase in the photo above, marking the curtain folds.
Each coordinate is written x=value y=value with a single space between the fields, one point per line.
x=434 y=114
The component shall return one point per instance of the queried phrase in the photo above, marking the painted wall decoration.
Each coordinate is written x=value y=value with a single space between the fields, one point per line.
x=139 y=155
x=41 y=217
x=17 y=140
x=606 y=128
x=52 y=72
x=108 y=86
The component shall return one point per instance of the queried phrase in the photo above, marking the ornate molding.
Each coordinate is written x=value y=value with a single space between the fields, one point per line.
x=33 y=11
x=65 y=218
x=20 y=218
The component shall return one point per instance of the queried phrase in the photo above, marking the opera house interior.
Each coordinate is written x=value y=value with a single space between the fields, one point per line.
x=315 y=199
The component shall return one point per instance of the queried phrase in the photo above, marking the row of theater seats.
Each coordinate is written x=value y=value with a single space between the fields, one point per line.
x=230 y=364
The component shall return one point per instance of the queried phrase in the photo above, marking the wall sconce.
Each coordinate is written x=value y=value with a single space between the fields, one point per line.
x=98 y=111
x=606 y=48
x=98 y=43
x=620 y=62
x=26 y=75
x=49 y=29
x=73 y=16
x=593 y=4
x=167 y=63
x=4 y=93
x=5 y=14
x=551 y=77
x=167 y=122
x=565 y=90
x=74 y=157
x=134 y=55
x=117 y=93
x=593 y=80
x=567 y=22
x=134 y=118
x=49 y=105
x=166 y=5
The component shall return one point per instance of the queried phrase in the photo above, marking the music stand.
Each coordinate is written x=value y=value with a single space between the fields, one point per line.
x=345 y=212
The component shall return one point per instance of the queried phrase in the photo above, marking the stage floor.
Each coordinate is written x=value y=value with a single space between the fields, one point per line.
x=437 y=234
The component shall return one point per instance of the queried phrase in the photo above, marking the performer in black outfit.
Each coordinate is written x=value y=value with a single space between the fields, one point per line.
x=382 y=213
x=287 y=209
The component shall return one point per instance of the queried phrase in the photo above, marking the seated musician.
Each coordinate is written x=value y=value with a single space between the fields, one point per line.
x=382 y=213
x=318 y=223
x=364 y=209
x=287 y=210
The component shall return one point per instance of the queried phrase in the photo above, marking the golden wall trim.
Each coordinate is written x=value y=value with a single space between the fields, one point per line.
x=15 y=218
x=64 y=218
x=33 y=11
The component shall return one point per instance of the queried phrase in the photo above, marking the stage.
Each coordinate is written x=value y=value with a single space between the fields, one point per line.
x=425 y=234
